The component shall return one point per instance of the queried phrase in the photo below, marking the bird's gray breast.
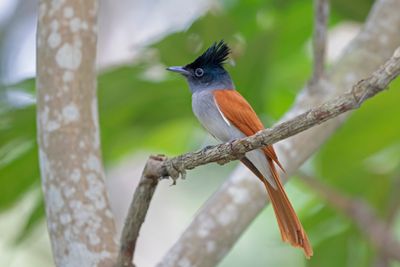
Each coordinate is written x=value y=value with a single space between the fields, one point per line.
x=210 y=116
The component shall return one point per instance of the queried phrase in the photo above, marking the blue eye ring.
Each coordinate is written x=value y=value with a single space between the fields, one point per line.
x=199 y=72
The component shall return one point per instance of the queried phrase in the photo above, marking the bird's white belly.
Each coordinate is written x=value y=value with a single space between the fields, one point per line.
x=209 y=115
x=212 y=119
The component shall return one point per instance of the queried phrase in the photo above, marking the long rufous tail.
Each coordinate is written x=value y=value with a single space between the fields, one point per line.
x=289 y=224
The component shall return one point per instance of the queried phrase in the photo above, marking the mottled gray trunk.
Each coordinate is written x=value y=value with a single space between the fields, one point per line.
x=79 y=219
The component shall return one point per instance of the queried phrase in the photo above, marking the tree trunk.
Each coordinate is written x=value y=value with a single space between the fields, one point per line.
x=79 y=219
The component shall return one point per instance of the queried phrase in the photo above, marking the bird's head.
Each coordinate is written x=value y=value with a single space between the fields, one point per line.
x=207 y=71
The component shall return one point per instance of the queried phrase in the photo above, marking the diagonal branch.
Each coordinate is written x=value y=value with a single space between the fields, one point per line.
x=138 y=210
x=223 y=153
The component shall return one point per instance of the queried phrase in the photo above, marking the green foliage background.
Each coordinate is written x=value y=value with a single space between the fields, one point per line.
x=271 y=63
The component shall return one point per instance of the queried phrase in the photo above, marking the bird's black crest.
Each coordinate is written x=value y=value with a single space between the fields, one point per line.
x=215 y=56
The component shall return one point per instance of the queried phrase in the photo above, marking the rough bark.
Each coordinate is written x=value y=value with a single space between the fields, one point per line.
x=225 y=216
x=79 y=219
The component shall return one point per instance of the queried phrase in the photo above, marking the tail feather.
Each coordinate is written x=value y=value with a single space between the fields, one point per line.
x=289 y=225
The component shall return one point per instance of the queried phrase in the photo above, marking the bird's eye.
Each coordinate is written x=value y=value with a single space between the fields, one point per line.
x=199 y=72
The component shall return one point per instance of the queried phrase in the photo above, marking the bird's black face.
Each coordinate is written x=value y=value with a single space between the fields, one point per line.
x=207 y=71
x=200 y=75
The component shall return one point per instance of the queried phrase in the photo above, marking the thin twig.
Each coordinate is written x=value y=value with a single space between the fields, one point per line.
x=138 y=210
x=222 y=153
x=377 y=230
x=321 y=14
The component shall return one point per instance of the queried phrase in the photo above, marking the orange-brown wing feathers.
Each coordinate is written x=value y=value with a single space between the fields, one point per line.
x=236 y=109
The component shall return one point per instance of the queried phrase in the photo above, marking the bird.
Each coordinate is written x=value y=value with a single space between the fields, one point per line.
x=227 y=116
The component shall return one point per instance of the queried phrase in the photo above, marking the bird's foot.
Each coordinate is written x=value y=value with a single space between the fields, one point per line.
x=204 y=149
x=175 y=170
x=235 y=154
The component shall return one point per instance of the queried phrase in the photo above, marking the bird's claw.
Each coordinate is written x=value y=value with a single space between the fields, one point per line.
x=221 y=161
x=175 y=171
x=204 y=149
x=236 y=154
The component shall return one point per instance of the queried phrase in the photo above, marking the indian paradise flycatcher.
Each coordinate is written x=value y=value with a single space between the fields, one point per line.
x=226 y=115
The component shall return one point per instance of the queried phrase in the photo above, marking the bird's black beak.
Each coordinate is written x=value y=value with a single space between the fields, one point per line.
x=180 y=70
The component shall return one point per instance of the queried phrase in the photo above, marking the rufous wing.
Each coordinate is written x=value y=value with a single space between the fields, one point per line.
x=239 y=112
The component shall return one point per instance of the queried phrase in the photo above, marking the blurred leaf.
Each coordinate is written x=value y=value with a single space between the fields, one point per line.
x=18 y=156
x=132 y=109
x=36 y=216
x=355 y=10
x=343 y=249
